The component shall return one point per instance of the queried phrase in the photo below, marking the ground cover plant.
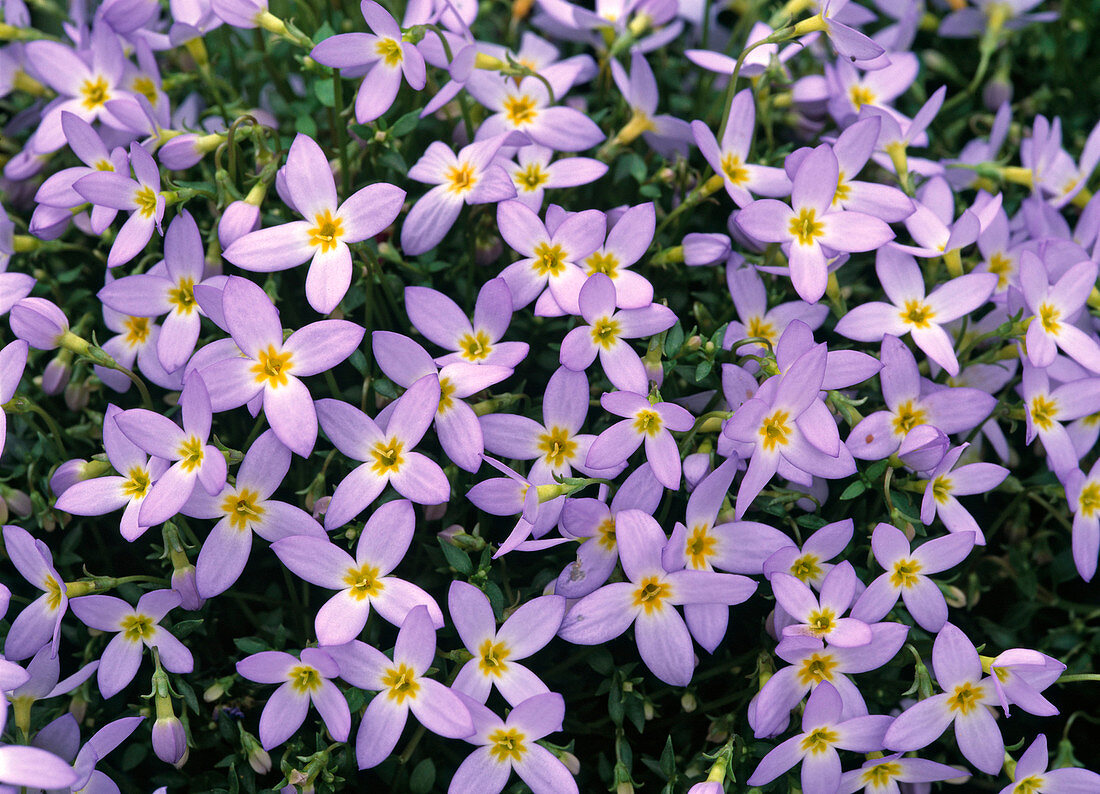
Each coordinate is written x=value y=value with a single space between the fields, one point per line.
x=442 y=396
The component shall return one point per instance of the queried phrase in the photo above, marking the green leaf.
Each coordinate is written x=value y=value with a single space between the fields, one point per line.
x=674 y=340
x=456 y=558
x=325 y=92
x=250 y=645
x=359 y=361
x=668 y=760
x=406 y=124
x=422 y=778
x=703 y=369
x=188 y=694
x=853 y=490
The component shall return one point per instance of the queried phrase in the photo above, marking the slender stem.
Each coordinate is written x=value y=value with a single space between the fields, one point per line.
x=1067 y=679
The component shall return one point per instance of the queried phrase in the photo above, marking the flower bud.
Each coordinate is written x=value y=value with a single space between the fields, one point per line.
x=435 y=512
x=923 y=448
x=40 y=323
x=258 y=757
x=57 y=373
x=170 y=740
x=17 y=501
x=183 y=582
x=238 y=219
x=77 y=395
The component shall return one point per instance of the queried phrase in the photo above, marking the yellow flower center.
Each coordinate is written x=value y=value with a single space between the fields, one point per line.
x=183 y=295
x=96 y=92
x=549 y=259
x=1049 y=316
x=650 y=593
x=606 y=263
x=881 y=774
x=137 y=483
x=965 y=698
x=390 y=51
x=817 y=668
x=364 y=582
x=401 y=683
x=557 y=447
x=860 y=96
x=821 y=621
x=806 y=567
x=446 y=396
x=507 y=744
x=304 y=679
x=241 y=509
x=491 y=656
x=137 y=330
x=191 y=454
x=647 y=422
x=941 y=488
x=774 y=430
x=700 y=546
x=757 y=326
x=327 y=232
x=1089 y=500
x=271 y=367
x=734 y=170
x=531 y=178
x=1032 y=784
x=605 y=332
x=104 y=165
x=907 y=417
x=819 y=740
x=387 y=456
x=843 y=189
x=461 y=178
x=917 y=314
x=1043 y=410
x=520 y=110
x=476 y=346
x=1001 y=266
x=605 y=533
x=806 y=227
x=905 y=572
x=136 y=628
x=146 y=87
x=53 y=592
x=146 y=199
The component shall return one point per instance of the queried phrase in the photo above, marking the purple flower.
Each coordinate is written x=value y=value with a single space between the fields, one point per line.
x=386 y=54
x=1032 y=774
x=667 y=134
x=647 y=601
x=39 y=622
x=813 y=225
x=327 y=231
x=32 y=766
x=750 y=300
x=402 y=686
x=136 y=627
x=300 y=682
x=907 y=576
x=911 y=312
x=363 y=580
x=525 y=106
x=243 y=508
x=965 y=701
x=881 y=775
x=644 y=422
x=532 y=173
x=1055 y=308
x=1019 y=675
x=510 y=744
x=137 y=339
x=1083 y=495
x=39 y=322
x=605 y=332
x=944 y=484
x=807 y=615
x=1047 y=408
x=13 y=359
x=387 y=452
x=823 y=731
x=273 y=367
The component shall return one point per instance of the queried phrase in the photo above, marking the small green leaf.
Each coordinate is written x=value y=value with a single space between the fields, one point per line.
x=422 y=778
x=325 y=92
x=406 y=124
x=702 y=369
x=674 y=340
x=668 y=760
x=456 y=558
x=853 y=490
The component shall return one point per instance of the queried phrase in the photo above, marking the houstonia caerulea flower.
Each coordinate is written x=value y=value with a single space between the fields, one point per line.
x=136 y=474
x=32 y=766
x=755 y=319
x=1019 y=675
x=497 y=651
x=644 y=422
x=965 y=701
x=363 y=580
x=552 y=252
x=787 y=430
x=301 y=682
x=387 y=452
x=44 y=682
x=1047 y=408
x=142 y=196
x=811 y=563
x=944 y=485
x=1033 y=777
x=907 y=576
x=808 y=615
x=136 y=627
x=13 y=360
x=514 y=494
x=170 y=290
x=385 y=52
x=810 y=663
x=441 y=321
x=273 y=367
x=1083 y=495
x=824 y=730
x=405 y=362
x=1055 y=308
x=510 y=744
x=525 y=106
x=243 y=508
x=628 y=239
x=813 y=225
x=911 y=312
x=647 y=601
x=327 y=231
x=606 y=331
x=62 y=736
x=740 y=177
x=533 y=174
x=882 y=775
x=39 y=622
x=136 y=340
x=402 y=686
x=193 y=459
x=470 y=177
x=667 y=134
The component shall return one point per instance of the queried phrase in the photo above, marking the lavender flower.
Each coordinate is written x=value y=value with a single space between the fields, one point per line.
x=644 y=423
x=944 y=484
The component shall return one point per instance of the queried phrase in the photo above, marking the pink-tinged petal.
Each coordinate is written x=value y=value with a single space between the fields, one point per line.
x=281 y=520
x=267 y=667
x=414 y=410
x=333 y=709
x=761 y=468
x=328 y=278
x=821 y=772
x=282 y=716
x=614 y=445
x=370 y=210
x=645 y=322
x=600 y=616
x=309 y=178
x=564 y=129
x=794 y=596
x=221 y=559
x=578 y=350
x=251 y=318
x=108 y=189
x=471 y=614
x=961 y=295
x=766 y=220
x=289 y=411
x=935 y=342
x=118 y=665
x=275 y=248
x=318 y=561
x=520 y=227
x=1078 y=345
x=377 y=92
x=480 y=773
x=237 y=383
x=93 y=497
x=919 y=725
x=664 y=458
x=421 y=480
x=814 y=185
x=809 y=271
x=265 y=465
x=399 y=597
x=142 y=295
x=167 y=496
x=438 y=317
x=954 y=659
x=386 y=536
x=778 y=761
x=132 y=239
x=926 y=604
x=173 y=653
x=101 y=612
x=873 y=438
x=345 y=50
x=640 y=540
x=665 y=645
x=360 y=664
x=544 y=773
x=213 y=472
x=441 y=711
x=460 y=436
x=401 y=359
x=854 y=231
x=877 y=600
x=493 y=309
x=532 y=626
x=352 y=431
x=980 y=740
x=869 y=322
x=429 y=220
x=381 y=728
x=709 y=587
x=176 y=341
